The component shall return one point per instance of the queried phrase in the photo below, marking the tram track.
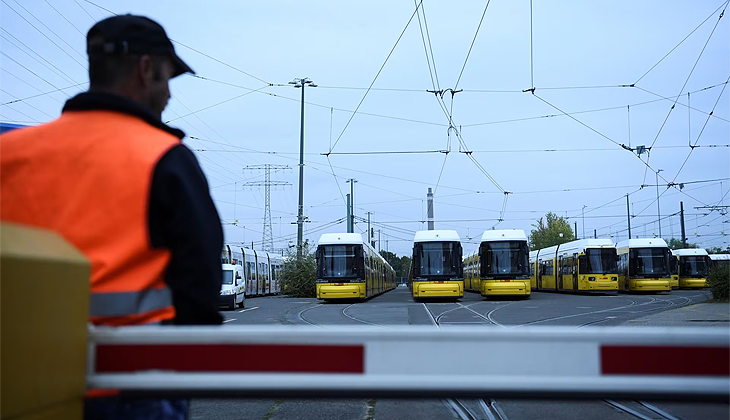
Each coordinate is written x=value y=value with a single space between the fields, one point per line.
x=344 y=313
x=491 y=410
x=301 y=313
x=641 y=409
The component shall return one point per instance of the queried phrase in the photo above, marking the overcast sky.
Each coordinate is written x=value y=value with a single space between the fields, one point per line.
x=547 y=161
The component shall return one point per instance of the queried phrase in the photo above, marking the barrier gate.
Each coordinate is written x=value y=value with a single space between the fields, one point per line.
x=413 y=361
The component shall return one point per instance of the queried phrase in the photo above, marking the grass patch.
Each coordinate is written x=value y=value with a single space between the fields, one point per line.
x=371 y=409
x=272 y=410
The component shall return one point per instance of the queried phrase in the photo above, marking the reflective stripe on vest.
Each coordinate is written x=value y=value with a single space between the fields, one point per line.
x=116 y=304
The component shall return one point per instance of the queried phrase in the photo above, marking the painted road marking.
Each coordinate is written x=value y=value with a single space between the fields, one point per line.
x=229 y=320
x=249 y=309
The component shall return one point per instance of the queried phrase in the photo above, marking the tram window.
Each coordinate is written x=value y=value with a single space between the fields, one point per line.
x=694 y=266
x=598 y=261
x=649 y=261
x=437 y=258
x=337 y=261
x=506 y=257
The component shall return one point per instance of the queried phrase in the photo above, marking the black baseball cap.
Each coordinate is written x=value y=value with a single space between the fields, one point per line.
x=130 y=34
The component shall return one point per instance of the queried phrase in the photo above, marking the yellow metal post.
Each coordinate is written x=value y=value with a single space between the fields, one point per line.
x=44 y=305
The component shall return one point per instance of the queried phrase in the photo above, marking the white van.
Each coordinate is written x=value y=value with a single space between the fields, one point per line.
x=233 y=289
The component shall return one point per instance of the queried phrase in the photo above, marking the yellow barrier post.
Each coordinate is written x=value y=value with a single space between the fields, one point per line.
x=44 y=305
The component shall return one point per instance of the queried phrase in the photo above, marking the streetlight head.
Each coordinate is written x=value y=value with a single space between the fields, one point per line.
x=293 y=82
x=659 y=170
x=297 y=85
x=312 y=85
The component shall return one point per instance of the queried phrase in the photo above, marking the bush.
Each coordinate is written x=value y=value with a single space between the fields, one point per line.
x=719 y=282
x=300 y=274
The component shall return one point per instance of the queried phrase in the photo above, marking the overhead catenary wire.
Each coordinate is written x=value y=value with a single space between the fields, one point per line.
x=690 y=74
x=692 y=147
x=476 y=33
x=681 y=42
x=27 y=50
x=42 y=33
x=376 y=77
x=65 y=18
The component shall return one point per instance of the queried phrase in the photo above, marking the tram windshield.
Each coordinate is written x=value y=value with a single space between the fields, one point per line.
x=694 y=265
x=508 y=257
x=437 y=258
x=337 y=260
x=649 y=261
x=598 y=261
x=227 y=276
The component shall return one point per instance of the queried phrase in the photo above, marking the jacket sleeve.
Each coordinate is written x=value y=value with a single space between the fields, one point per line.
x=183 y=219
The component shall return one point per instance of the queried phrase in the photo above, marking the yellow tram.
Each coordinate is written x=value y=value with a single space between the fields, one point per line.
x=436 y=269
x=501 y=266
x=643 y=265
x=586 y=265
x=693 y=267
x=349 y=268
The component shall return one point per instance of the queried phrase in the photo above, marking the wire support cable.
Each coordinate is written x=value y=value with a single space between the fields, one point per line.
x=682 y=41
x=376 y=77
x=476 y=33
x=690 y=75
x=692 y=146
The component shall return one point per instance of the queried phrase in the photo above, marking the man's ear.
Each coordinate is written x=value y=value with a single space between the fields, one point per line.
x=145 y=70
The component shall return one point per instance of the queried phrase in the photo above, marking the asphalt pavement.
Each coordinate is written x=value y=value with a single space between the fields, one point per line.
x=676 y=308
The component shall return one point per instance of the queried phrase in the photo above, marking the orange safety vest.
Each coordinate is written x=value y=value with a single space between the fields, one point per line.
x=87 y=176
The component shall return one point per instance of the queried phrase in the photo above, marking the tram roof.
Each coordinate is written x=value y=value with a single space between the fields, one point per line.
x=504 y=235
x=340 y=239
x=642 y=243
x=436 y=236
x=686 y=252
x=720 y=257
x=583 y=244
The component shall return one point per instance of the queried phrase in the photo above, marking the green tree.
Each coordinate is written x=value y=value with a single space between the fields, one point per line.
x=299 y=275
x=401 y=265
x=718 y=250
x=675 y=243
x=548 y=232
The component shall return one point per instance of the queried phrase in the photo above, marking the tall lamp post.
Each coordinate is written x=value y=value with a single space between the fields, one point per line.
x=583 y=215
x=301 y=83
x=658 y=212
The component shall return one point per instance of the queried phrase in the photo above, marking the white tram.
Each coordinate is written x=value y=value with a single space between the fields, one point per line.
x=259 y=271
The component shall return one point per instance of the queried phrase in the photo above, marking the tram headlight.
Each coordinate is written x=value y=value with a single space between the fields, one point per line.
x=591 y=279
x=614 y=278
x=227 y=292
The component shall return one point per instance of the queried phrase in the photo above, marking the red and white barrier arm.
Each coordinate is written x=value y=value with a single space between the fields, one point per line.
x=402 y=362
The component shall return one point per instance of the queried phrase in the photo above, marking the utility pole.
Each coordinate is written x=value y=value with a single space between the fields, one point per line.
x=595 y=234
x=301 y=83
x=658 y=211
x=628 y=215
x=576 y=229
x=681 y=220
x=349 y=215
x=429 y=209
x=351 y=219
x=267 y=242
x=370 y=233
x=583 y=214
x=379 y=243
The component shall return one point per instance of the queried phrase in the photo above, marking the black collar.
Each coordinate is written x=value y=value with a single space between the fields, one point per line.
x=97 y=101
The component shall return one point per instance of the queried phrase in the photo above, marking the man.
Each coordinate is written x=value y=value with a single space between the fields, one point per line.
x=118 y=184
